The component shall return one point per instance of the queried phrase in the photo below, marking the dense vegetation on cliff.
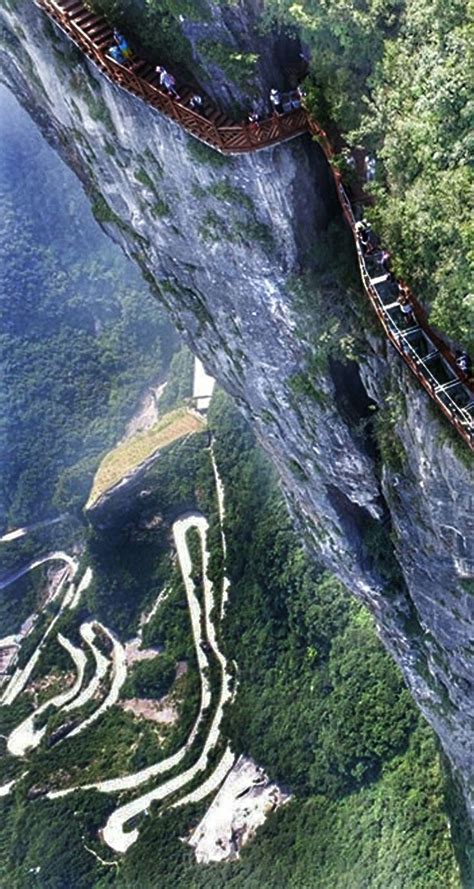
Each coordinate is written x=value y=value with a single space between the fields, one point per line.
x=80 y=340
x=394 y=77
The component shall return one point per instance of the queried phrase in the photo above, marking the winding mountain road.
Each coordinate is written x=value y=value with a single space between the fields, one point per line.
x=16 y=533
x=21 y=675
x=101 y=666
x=50 y=557
x=25 y=737
x=135 y=779
x=114 y=833
x=119 y=675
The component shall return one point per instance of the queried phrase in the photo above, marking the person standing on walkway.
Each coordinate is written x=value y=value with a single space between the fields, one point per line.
x=195 y=103
x=275 y=101
x=464 y=363
x=406 y=307
x=167 y=81
x=122 y=44
x=254 y=124
x=366 y=236
x=383 y=260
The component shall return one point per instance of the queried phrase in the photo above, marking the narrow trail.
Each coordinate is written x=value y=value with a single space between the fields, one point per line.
x=221 y=508
x=135 y=779
x=114 y=833
x=25 y=736
x=21 y=675
x=147 y=616
x=119 y=675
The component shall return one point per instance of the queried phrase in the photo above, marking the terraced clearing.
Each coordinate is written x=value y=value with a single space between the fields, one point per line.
x=128 y=456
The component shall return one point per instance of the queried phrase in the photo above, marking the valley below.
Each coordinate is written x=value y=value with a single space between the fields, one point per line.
x=235 y=550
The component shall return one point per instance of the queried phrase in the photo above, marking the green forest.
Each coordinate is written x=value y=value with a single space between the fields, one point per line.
x=319 y=704
x=81 y=337
x=395 y=77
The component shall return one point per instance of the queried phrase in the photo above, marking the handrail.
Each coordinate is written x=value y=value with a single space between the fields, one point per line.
x=241 y=137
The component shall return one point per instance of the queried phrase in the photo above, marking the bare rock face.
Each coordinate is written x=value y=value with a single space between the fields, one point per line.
x=241 y=806
x=238 y=250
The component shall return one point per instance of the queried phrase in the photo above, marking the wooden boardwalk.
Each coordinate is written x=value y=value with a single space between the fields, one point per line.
x=427 y=355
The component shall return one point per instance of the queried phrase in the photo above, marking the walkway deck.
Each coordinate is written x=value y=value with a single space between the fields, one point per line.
x=426 y=354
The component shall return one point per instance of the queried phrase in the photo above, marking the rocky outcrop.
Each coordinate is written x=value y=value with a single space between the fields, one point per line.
x=242 y=251
x=243 y=803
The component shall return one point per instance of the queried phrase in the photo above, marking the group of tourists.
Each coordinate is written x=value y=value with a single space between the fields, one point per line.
x=365 y=168
x=280 y=104
x=371 y=249
x=464 y=363
x=370 y=245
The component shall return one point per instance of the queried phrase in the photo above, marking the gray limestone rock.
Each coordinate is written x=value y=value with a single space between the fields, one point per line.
x=239 y=250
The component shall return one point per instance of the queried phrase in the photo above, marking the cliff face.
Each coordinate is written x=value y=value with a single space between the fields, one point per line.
x=239 y=250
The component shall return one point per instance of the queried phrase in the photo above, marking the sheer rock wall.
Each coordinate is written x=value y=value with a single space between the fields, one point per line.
x=225 y=244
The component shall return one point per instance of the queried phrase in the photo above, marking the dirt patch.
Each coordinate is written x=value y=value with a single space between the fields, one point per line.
x=163 y=711
x=134 y=653
x=7 y=657
x=181 y=668
x=55 y=578
x=53 y=680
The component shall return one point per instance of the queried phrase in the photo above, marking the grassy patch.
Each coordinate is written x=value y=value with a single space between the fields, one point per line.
x=89 y=92
x=229 y=193
x=142 y=176
x=159 y=209
x=102 y=212
x=253 y=232
x=211 y=228
x=386 y=422
x=130 y=454
x=238 y=66
x=205 y=155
